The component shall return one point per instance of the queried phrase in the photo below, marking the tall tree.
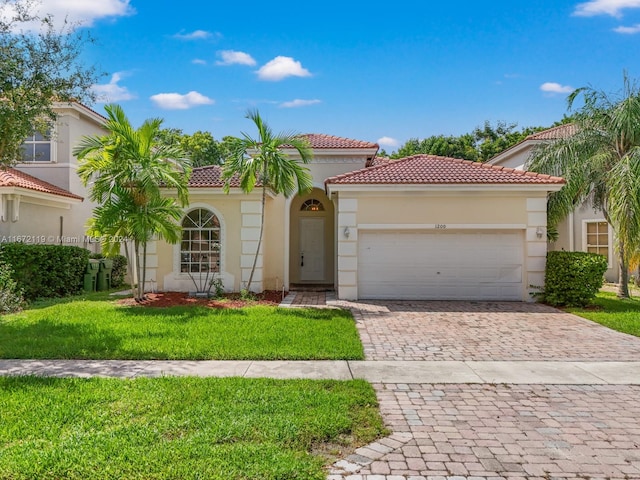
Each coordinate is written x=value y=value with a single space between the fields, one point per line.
x=37 y=68
x=261 y=161
x=601 y=164
x=128 y=169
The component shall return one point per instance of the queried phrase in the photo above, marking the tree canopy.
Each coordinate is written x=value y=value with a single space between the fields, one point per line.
x=481 y=144
x=37 y=68
x=200 y=147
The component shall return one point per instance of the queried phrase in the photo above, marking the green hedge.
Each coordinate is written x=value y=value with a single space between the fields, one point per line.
x=573 y=278
x=44 y=271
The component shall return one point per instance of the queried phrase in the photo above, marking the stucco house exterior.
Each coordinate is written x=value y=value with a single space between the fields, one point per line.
x=42 y=199
x=585 y=229
x=422 y=227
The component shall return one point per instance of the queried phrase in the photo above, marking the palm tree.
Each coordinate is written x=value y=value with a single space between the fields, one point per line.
x=601 y=164
x=128 y=169
x=262 y=162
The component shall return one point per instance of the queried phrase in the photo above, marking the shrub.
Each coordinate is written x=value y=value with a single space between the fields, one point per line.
x=44 y=271
x=11 y=299
x=119 y=270
x=573 y=278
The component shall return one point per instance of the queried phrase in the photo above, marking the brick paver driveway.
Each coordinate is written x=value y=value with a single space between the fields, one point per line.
x=480 y=432
x=484 y=332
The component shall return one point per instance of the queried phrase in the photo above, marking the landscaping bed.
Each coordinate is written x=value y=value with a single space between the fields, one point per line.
x=228 y=300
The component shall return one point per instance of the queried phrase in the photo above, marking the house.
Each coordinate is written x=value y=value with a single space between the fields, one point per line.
x=585 y=229
x=422 y=227
x=42 y=199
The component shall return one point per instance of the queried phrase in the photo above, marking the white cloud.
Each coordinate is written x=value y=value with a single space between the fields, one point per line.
x=280 y=68
x=195 y=35
x=299 y=103
x=232 y=57
x=176 y=101
x=112 y=92
x=198 y=61
x=604 y=7
x=628 y=30
x=553 y=87
x=83 y=13
x=388 y=142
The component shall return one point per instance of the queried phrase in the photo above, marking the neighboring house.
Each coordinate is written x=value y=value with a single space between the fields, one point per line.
x=422 y=227
x=585 y=229
x=42 y=199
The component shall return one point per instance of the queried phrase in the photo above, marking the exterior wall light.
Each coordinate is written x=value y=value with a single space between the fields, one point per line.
x=346 y=232
x=539 y=232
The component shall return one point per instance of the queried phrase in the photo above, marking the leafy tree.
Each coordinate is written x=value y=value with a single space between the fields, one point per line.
x=262 y=162
x=129 y=168
x=200 y=147
x=456 y=147
x=36 y=70
x=490 y=140
x=601 y=164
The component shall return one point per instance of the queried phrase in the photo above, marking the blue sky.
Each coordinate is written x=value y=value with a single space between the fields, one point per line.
x=383 y=72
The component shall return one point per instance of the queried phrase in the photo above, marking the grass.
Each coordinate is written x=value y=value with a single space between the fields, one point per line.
x=95 y=327
x=614 y=313
x=180 y=428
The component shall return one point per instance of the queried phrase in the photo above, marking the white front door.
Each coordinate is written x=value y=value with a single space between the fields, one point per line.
x=311 y=249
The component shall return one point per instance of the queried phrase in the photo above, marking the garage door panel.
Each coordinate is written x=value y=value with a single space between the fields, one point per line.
x=447 y=266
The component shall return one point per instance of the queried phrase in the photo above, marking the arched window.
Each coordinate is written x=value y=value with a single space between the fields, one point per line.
x=200 y=246
x=312 y=205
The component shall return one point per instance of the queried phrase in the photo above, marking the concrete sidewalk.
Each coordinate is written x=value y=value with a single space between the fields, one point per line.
x=413 y=372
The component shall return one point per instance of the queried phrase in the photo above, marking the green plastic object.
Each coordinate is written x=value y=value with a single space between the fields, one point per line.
x=89 y=284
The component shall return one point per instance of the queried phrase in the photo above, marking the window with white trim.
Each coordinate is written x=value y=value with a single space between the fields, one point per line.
x=200 y=245
x=37 y=148
x=597 y=238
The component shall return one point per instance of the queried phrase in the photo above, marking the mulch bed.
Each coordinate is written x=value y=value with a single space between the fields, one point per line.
x=230 y=300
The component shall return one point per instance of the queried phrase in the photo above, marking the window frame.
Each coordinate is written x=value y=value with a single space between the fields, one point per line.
x=33 y=142
x=586 y=245
x=179 y=252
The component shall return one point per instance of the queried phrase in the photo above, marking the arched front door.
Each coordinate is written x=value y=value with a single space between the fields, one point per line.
x=312 y=239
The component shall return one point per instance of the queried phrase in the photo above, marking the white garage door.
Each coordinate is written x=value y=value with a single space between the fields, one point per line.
x=440 y=265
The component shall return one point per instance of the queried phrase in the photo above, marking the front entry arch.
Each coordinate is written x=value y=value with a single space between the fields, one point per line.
x=311 y=239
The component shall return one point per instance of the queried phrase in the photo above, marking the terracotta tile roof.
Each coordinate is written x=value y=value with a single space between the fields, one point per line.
x=431 y=169
x=210 y=176
x=10 y=177
x=319 y=141
x=379 y=161
x=561 y=131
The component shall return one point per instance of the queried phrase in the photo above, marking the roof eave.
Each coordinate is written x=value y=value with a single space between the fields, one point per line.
x=443 y=187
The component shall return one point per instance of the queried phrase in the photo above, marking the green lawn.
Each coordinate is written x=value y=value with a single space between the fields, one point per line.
x=180 y=428
x=99 y=328
x=610 y=311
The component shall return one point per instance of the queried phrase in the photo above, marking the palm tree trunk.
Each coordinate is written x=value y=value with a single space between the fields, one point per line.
x=136 y=246
x=623 y=286
x=130 y=266
x=255 y=258
x=144 y=267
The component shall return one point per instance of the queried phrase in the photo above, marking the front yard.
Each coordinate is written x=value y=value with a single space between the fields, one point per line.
x=99 y=328
x=180 y=428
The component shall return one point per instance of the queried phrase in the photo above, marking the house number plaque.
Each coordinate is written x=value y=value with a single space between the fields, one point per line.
x=440 y=226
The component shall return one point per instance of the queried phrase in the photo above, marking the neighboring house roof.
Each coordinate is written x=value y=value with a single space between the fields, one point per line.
x=210 y=176
x=561 y=131
x=432 y=169
x=10 y=177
